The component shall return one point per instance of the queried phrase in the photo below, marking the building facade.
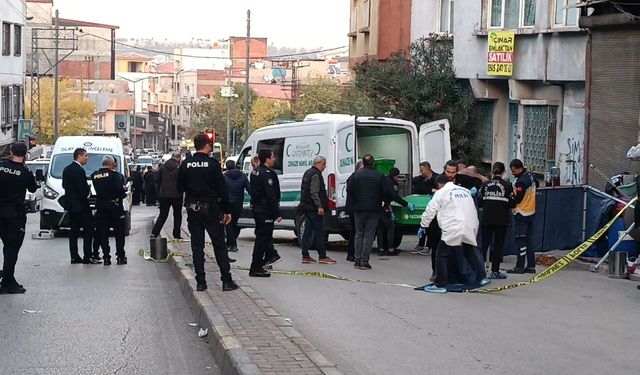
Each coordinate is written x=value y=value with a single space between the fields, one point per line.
x=535 y=109
x=613 y=88
x=88 y=47
x=378 y=28
x=12 y=21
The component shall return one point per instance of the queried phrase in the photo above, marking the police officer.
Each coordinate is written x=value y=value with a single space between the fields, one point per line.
x=200 y=178
x=109 y=186
x=15 y=178
x=265 y=201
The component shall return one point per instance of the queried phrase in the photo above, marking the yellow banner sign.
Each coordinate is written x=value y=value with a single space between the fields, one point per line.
x=501 y=53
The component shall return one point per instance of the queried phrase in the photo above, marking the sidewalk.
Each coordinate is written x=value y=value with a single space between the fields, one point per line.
x=248 y=336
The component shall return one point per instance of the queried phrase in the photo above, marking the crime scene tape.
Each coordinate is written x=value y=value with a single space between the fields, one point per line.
x=147 y=256
x=562 y=262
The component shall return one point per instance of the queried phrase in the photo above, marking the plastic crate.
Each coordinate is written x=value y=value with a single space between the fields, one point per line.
x=406 y=217
x=384 y=165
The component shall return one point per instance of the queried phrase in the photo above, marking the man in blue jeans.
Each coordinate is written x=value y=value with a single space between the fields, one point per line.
x=313 y=205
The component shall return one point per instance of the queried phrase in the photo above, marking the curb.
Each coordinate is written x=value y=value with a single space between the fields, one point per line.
x=230 y=354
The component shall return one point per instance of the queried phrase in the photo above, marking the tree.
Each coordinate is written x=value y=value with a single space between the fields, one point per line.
x=212 y=114
x=321 y=96
x=75 y=114
x=264 y=112
x=421 y=86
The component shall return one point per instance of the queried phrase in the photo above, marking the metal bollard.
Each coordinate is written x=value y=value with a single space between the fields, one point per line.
x=618 y=265
x=158 y=248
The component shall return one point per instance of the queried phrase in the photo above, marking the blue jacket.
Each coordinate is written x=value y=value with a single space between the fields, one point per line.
x=237 y=183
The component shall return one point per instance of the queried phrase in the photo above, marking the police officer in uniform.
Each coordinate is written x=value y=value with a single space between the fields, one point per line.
x=109 y=186
x=265 y=201
x=200 y=178
x=15 y=178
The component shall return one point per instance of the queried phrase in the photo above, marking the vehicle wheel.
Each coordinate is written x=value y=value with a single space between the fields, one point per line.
x=127 y=225
x=397 y=237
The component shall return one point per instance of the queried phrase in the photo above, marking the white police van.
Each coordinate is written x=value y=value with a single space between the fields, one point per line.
x=52 y=215
x=342 y=139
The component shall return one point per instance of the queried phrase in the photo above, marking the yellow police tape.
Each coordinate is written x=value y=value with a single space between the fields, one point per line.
x=562 y=262
x=555 y=267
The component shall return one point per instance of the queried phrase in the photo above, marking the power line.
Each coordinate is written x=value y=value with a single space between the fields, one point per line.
x=21 y=13
x=211 y=57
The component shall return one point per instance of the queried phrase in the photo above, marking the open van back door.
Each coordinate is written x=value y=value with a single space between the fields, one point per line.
x=345 y=141
x=434 y=143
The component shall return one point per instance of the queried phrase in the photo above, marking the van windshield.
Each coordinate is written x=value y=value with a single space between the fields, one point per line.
x=60 y=162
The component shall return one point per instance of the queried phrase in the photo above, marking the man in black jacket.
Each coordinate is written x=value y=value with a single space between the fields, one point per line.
x=425 y=184
x=367 y=189
x=15 y=179
x=386 y=226
x=237 y=183
x=137 y=185
x=109 y=186
x=265 y=201
x=169 y=196
x=313 y=205
x=150 y=187
x=200 y=178
x=76 y=203
x=496 y=199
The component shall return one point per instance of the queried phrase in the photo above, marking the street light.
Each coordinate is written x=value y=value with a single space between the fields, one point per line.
x=133 y=141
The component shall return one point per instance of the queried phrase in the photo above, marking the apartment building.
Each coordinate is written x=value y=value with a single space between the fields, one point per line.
x=12 y=21
x=525 y=60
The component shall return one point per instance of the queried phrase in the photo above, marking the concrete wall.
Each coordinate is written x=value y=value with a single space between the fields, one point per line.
x=12 y=67
x=541 y=53
x=221 y=61
x=424 y=18
x=570 y=136
x=361 y=44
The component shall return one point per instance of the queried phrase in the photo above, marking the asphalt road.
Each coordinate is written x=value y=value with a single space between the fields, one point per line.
x=575 y=322
x=92 y=319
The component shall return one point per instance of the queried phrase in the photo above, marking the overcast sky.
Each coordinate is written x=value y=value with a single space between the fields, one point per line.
x=286 y=23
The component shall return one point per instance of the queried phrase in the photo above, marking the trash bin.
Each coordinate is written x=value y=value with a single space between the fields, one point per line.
x=158 y=248
x=618 y=265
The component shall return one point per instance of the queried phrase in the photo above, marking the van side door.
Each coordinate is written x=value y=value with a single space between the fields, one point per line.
x=434 y=143
x=345 y=159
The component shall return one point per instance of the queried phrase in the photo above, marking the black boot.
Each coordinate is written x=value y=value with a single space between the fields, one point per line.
x=107 y=260
x=259 y=273
x=229 y=285
x=201 y=286
x=121 y=260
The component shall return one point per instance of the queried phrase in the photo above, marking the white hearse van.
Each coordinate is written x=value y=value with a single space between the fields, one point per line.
x=52 y=215
x=342 y=139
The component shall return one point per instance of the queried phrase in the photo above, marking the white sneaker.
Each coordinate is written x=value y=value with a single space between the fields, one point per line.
x=417 y=249
x=426 y=252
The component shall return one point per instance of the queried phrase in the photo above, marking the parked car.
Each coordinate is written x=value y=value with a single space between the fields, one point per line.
x=32 y=200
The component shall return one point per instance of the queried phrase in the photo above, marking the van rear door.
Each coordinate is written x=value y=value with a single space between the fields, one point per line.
x=345 y=141
x=434 y=143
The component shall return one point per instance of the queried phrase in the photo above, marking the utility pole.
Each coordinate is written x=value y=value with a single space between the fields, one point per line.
x=246 y=82
x=55 y=78
x=229 y=135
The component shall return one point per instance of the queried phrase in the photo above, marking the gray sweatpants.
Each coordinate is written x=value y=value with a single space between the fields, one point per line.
x=366 y=225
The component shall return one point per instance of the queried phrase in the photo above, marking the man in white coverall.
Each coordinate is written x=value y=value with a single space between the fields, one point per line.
x=458 y=220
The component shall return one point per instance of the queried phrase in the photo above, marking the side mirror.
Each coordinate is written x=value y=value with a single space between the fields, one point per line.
x=39 y=175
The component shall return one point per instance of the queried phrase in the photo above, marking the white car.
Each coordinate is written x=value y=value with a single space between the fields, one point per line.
x=33 y=200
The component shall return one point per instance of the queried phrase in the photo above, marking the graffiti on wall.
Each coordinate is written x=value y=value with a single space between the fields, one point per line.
x=571 y=162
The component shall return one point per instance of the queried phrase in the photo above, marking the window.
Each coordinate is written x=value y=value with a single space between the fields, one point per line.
x=446 y=16
x=5 y=106
x=17 y=40
x=277 y=146
x=539 y=141
x=6 y=39
x=511 y=14
x=566 y=13
x=244 y=161
x=17 y=104
x=100 y=124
